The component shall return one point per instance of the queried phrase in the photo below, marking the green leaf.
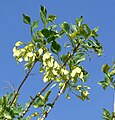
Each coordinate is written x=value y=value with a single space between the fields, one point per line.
x=35 y=24
x=67 y=96
x=103 y=84
x=43 y=14
x=46 y=32
x=96 y=29
x=65 y=27
x=112 y=73
x=64 y=57
x=7 y=115
x=51 y=17
x=47 y=95
x=79 y=58
x=38 y=103
x=26 y=19
x=55 y=47
x=105 y=68
x=106 y=115
x=79 y=21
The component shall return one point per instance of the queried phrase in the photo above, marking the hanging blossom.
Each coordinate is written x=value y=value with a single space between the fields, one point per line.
x=53 y=70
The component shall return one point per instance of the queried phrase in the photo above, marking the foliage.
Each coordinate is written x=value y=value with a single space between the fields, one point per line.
x=58 y=69
x=108 y=81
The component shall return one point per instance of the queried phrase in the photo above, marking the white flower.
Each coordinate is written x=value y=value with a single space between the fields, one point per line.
x=50 y=62
x=20 y=60
x=26 y=58
x=14 y=49
x=40 y=51
x=75 y=71
x=56 y=65
x=81 y=75
x=54 y=72
x=85 y=93
x=18 y=43
x=45 y=78
x=30 y=54
x=64 y=71
x=22 y=50
x=46 y=56
x=16 y=53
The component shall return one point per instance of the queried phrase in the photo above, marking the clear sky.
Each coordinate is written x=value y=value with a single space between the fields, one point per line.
x=97 y=13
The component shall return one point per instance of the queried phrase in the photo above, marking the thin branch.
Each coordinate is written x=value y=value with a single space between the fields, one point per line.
x=17 y=92
x=58 y=95
x=36 y=96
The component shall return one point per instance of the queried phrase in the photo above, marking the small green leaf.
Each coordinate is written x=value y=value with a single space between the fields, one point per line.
x=35 y=24
x=65 y=27
x=79 y=58
x=46 y=32
x=96 y=29
x=43 y=14
x=26 y=19
x=67 y=96
x=105 y=68
x=38 y=103
x=7 y=115
x=112 y=73
x=47 y=95
x=64 y=57
x=79 y=21
x=51 y=17
x=55 y=47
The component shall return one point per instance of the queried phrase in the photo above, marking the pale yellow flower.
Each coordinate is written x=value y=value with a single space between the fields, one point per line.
x=26 y=58
x=81 y=75
x=20 y=60
x=50 y=62
x=30 y=54
x=14 y=49
x=40 y=51
x=22 y=50
x=46 y=56
x=56 y=65
x=54 y=72
x=18 y=43
x=17 y=53
x=77 y=70
x=45 y=78
x=64 y=71
x=85 y=93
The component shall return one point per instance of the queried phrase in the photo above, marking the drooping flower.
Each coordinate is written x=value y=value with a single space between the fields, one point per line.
x=77 y=70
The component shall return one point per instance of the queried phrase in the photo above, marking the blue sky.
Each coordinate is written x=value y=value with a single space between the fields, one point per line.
x=96 y=13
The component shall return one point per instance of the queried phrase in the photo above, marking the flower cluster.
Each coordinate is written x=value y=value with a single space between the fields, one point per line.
x=77 y=72
x=26 y=53
x=53 y=70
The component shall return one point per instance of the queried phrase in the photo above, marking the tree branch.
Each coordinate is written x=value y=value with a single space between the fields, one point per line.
x=17 y=92
x=36 y=96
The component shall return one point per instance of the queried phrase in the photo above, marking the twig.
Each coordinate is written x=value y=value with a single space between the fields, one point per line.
x=17 y=92
x=36 y=96
x=58 y=95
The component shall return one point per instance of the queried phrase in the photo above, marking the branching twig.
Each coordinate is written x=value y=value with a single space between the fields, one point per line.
x=36 y=96
x=17 y=92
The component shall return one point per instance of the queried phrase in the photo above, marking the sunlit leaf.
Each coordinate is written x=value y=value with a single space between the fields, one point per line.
x=55 y=47
x=65 y=27
x=26 y=19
